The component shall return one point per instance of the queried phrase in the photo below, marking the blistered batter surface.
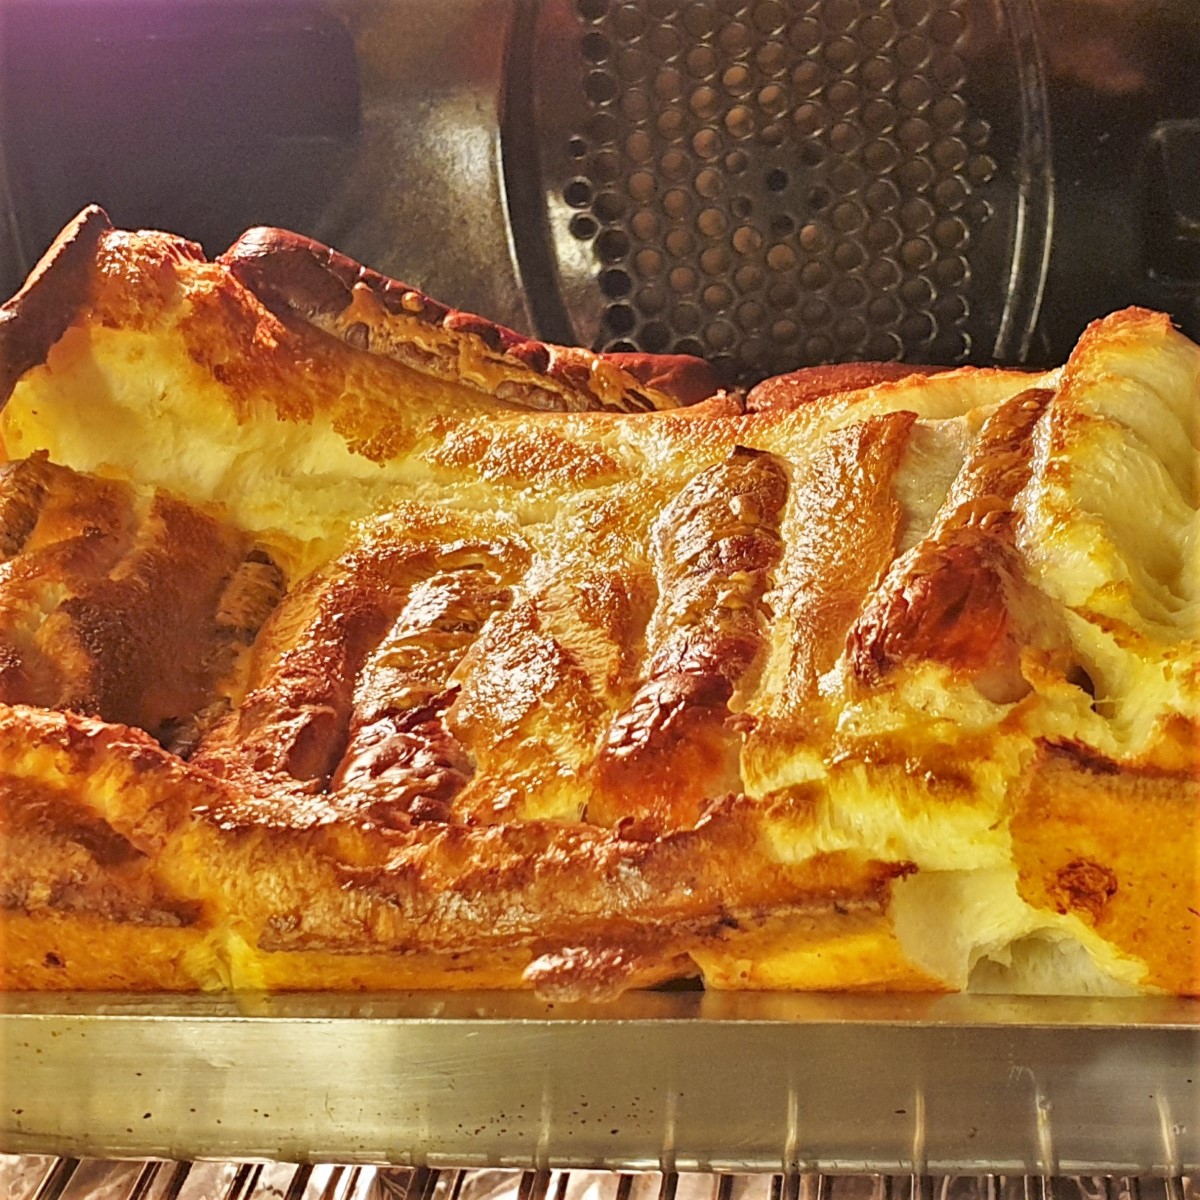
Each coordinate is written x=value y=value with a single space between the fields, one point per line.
x=439 y=687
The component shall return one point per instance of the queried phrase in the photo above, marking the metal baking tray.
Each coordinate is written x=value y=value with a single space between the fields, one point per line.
x=670 y=1080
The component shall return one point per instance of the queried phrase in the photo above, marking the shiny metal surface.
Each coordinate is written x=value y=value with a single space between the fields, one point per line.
x=768 y=185
x=771 y=184
x=424 y=197
x=91 y=1179
x=682 y=1080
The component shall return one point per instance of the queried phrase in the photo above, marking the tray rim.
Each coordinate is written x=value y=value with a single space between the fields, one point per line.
x=724 y=1081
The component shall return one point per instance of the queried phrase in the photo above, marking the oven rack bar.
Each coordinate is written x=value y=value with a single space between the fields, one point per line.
x=37 y=1177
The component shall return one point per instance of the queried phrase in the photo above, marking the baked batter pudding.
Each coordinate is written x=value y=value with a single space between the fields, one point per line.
x=347 y=641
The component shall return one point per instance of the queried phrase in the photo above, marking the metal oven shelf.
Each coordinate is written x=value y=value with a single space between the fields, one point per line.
x=679 y=1081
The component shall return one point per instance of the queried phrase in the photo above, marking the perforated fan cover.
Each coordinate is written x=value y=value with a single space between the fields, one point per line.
x=773 y=184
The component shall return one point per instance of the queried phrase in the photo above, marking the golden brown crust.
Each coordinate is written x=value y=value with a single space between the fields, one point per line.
x=129 y=607
x=812 y=384
x=64 y=858
x=959 y=596
x=675 y=746
x=38 y=315
x=72 y=951
x=328 y=682
x=1080 y=838
x=683 y=377
x=281 y=879
x=858 y=691
x=296 y=275
x=840 y=537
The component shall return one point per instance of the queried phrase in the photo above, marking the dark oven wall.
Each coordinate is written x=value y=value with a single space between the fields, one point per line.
x=766 y=183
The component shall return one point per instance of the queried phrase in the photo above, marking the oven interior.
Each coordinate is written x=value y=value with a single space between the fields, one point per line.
x=769 y=184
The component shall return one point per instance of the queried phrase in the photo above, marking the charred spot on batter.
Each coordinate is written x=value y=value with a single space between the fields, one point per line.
x=1083 y=884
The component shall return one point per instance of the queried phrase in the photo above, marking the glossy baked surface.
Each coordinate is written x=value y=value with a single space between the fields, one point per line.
x=345 y=642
